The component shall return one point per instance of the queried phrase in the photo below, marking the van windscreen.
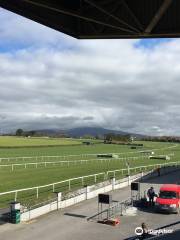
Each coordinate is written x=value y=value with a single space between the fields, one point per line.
x=168 y=195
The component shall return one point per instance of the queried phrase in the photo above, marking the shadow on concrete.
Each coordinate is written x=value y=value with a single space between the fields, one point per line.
x=4 y=218
x=152 y=210
x=166 y=176
x=75 y=215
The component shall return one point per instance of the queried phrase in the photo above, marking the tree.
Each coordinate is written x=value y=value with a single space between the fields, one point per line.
x=19 y=132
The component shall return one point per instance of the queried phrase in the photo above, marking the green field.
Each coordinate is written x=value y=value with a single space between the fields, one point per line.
x=32 y=176
x=35 y=141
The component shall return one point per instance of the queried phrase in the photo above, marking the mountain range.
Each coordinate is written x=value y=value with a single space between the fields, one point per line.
x=82 y=131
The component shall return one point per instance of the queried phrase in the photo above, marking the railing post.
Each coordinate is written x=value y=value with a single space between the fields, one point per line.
x=69 y=185
x=129 y=180
x=59 y=199
x=15 y=197
x=37 y=192
x=113 y=183
x=87 y=191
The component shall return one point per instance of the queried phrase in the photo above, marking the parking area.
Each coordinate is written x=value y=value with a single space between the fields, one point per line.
x=71 y=223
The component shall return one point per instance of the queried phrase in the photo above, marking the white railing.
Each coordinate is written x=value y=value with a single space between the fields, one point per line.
x=63 y=157
x=141 y=168
x=105 y=175
x=69 y=181
x=23 y=158
x=68 y=162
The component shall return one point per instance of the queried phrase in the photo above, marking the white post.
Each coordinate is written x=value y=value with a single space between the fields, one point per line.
x=69 y=185
x=95 y=178
x=37 y=192
x=113 y=183
x=129 y=180
x=87 y=191
x=59 y=198
x=12 y=167
x=82 y=181
x=15 y=198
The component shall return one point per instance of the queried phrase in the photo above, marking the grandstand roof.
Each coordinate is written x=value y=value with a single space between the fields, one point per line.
x=94 y=19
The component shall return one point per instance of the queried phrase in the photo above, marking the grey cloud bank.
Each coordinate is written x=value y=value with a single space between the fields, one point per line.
x=59 y=82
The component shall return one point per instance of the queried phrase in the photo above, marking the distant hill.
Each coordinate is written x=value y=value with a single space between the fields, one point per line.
x=92 y=131
x=82 y=131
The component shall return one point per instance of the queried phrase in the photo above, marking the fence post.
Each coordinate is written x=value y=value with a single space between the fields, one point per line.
x=129 y=180
x=37 y=192
x=59 y=199
x=53 y=187
x=82 y=181
x=15 y=197
x=69 y=185
x=95 y=178
x=87 y=191
x=12 y=167
x=113 y=183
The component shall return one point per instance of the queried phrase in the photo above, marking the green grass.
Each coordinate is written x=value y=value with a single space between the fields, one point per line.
x=35 y=141
x=30 y=177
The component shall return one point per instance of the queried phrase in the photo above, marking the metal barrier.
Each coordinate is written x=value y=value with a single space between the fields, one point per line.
x=117 y=209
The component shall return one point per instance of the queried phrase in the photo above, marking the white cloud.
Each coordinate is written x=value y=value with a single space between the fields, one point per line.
x=56 y=81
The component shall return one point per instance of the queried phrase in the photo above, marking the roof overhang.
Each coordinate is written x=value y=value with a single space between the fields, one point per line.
x=100 y=19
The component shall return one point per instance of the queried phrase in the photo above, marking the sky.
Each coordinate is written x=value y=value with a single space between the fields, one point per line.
x=50 y=80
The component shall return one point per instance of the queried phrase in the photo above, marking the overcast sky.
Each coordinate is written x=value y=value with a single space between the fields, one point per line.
x=49 y=80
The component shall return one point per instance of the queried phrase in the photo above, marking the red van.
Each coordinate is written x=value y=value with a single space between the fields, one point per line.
x=168 y=199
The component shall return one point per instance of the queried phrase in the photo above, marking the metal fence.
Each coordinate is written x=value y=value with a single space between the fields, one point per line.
x=115 y=209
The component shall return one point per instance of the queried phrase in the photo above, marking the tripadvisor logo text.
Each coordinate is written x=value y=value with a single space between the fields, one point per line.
x=139 y=231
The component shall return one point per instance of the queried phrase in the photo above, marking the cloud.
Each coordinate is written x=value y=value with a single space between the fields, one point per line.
x=49 y=80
